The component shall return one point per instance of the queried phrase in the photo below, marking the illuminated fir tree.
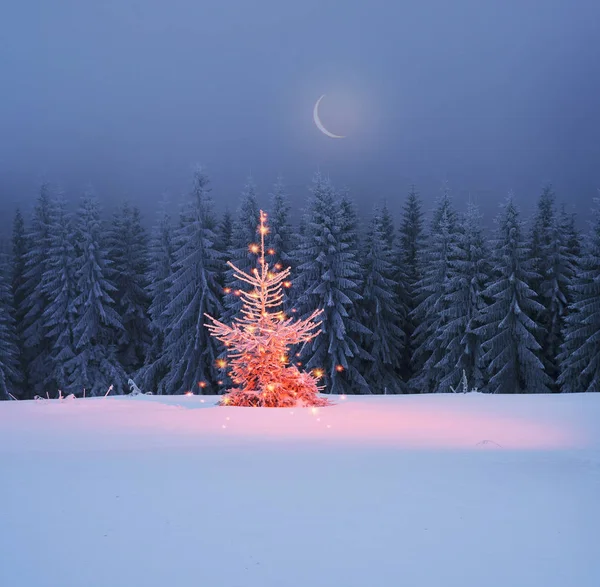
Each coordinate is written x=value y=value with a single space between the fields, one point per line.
x=258 y=341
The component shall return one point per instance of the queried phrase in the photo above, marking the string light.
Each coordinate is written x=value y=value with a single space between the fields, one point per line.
x=271 y=251
x=221 y=363
x=227 y=290
x=318 y=373
x=278 y=266
x=339 y=368
x=202 y=384
x=287 y=284
x=254 y=248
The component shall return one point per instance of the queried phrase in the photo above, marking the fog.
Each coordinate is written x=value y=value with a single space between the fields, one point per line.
x=129 y=95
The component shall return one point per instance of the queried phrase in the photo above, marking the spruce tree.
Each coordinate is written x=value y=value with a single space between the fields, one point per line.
x=509 y=327
x=18 y=261
x=95 y=366
x=9 y=351
x=328 y=277
x=463 y=305
x=430 y=289
x=580 y=355
x=153 y=375
x=195 y=291
x=408 y=272
x=225 y=241
x=60 y=286
x=35 y=300
x=556 y=296
x=128 y=254
x=546 y=251
x=281 y=237
x=382 y=311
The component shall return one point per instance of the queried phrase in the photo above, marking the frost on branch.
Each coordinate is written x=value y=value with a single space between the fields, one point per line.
x=259 y=339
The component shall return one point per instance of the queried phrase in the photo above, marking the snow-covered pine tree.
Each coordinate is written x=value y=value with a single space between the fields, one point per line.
x=560 y=267
x=18 y=260
x=36 y=342
x=225 y=240
x=381 y=307
x=281 y=237
x=546 y=249
x=9 y=351
x=463 y=306
x=580 y=355
x=95 y=366
x=244 y=232
x=60 y=286
x=328 y=274
x=410 y=251
x=351 y=239
x=128 y=254
x=430 y=289
x=572 y=235
x=152 y=376
x=508 y=330
x=195 y=291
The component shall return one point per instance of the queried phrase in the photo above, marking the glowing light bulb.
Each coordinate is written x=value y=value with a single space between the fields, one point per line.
x=339 y=368
x=238 y=292
x=299 y=363
x=227 y=290
x=271 y=252
x=189 y=393
x=270 y=275
x=220 y=382
x=287 y=284
x=254 y=248
x=202 y=384
x=318 y=372
x=264 y=230
x=221 y=363
x=270 y=387
x=278 y=266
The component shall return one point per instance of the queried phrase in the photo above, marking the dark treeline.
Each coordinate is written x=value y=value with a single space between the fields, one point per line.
x=86 y=303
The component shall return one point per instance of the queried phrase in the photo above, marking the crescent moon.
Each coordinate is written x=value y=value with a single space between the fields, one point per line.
x=320 y=124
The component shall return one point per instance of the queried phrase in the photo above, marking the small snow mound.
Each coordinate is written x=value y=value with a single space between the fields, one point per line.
x=489 y=443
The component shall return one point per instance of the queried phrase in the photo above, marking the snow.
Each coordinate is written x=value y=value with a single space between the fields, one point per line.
x=425 y=491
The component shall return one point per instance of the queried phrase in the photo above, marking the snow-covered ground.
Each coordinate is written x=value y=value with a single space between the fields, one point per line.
x=421 y=491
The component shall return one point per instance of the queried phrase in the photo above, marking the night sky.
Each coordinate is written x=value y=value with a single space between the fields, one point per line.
x=489 y=95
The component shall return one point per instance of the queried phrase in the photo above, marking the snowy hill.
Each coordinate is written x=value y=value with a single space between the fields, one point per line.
x=424 y=491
